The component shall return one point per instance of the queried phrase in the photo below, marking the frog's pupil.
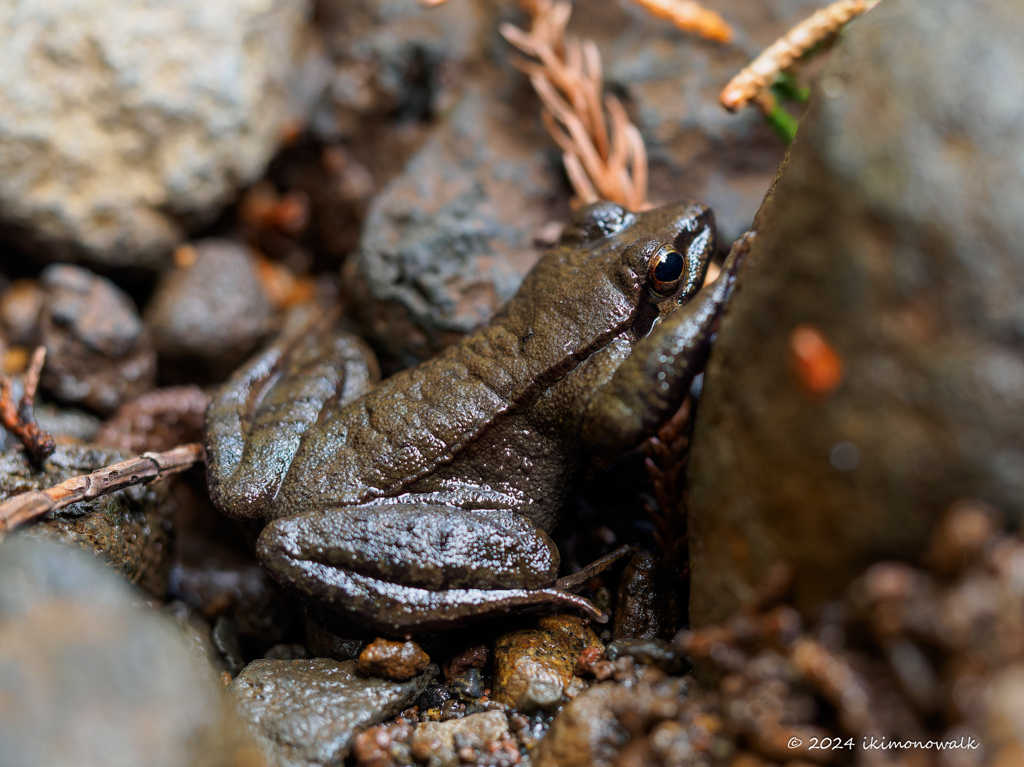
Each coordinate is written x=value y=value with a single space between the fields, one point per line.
x=669 y=267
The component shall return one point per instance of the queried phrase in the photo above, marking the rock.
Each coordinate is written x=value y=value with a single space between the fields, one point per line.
x=221 y=585
x=125 y=122
x=593 y=728
x=211 y=308
x=472 y=657
x=532 y=667
x=449 y=241
x=156 y=421
x=325 y=644
x=392 y=660
x=69 y=423
x=435 y=696
x=440 y=744
x=893 y=242
x=398 y=57
x=650 y=652
x=307 y=712
x=130 y=530
x=468 y=685
x=96 y=679
x=648 y=605
x=19 y=311
x=98 y=352
x=386 y=745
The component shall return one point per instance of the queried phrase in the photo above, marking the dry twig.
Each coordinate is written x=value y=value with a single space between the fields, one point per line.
x=147 y=467
x=753 y=83
x=20 y=420
x=690 y=17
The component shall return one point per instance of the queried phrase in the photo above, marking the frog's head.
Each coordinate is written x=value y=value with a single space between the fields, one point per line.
x=613 y=272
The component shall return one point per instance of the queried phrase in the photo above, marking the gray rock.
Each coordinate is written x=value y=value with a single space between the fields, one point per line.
x=396 y=57
x=436 y=743
x=97 y=351
x=449 y=241
x=130 y=530
x=592 y=730
x=214 y=310
x=124 y=120
x=308 y=712
x=895 y=232
x=95 y=679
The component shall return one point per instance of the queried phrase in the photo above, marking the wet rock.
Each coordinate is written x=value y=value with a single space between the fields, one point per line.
x=468 y=685
x=384 y=746
x=648 y=605
x=287 y=652
x=219 y=585
x=307 y=712
x=227 y=643
x=435 y=696
x=67 y=422
x=893 y=240
x=130 y=530
x=532 y=667
x=125 y=122
x=199 y=636
x=650 y=652
x=471 y=657
x=211 y=308
x=326 y=644
x=449 y=241
x=156 y=421
x=97 y=679
x=392 y=660
x=593 y=728
x=98 y=352
x=442 y=744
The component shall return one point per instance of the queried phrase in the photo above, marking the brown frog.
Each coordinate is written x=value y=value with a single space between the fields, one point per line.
x=426 y=501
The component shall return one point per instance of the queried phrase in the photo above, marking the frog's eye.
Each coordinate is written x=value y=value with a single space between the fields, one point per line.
x=665 y=271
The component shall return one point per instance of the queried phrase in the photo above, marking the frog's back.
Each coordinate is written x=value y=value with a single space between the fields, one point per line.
x=423 y=418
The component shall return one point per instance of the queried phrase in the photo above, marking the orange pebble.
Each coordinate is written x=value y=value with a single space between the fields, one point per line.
x=817 y=365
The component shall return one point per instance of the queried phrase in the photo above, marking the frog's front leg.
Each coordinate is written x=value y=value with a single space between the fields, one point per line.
x=256 y=423
x=652 y=383
x=414 y=567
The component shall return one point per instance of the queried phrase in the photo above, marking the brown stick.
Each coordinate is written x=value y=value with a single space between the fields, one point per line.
x=20 y=420
x=147 y=467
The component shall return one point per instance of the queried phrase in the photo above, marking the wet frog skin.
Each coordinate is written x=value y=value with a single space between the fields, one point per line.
x=425 y=501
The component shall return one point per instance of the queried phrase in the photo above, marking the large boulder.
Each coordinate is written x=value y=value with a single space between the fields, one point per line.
x=122 y=120
x=870 y=369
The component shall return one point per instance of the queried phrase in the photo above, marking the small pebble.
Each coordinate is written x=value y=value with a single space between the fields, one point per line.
x=392 y=660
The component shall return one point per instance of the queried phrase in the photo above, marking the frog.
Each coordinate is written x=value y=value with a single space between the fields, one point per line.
x=427 y=500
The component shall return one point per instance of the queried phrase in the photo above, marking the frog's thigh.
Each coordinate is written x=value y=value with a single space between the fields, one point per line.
x=414 y=567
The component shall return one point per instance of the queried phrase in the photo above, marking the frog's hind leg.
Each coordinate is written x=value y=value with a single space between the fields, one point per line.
x=410 y=568
x=255 y=423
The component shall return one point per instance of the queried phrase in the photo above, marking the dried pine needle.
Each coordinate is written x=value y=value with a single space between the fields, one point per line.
x=603 y=151
x=690 y=17
x=753 y=83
